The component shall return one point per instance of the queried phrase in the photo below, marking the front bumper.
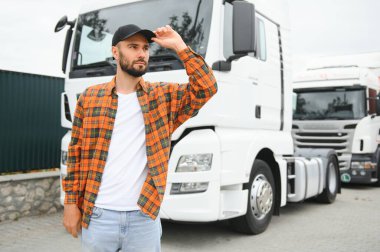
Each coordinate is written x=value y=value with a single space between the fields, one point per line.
x=64 y=148
x=363 y=170
x=217 y=202
x=350 y=176
x=62 y=193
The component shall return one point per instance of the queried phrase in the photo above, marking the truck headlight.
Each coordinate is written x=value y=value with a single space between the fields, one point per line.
x=64 y=157
x=194 y=163
x=362 y=165
x=192 y=187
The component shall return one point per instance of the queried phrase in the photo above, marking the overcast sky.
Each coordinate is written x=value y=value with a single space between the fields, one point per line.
x=329 y=27
x=319 y=27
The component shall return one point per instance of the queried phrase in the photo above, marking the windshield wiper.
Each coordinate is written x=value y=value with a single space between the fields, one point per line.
x=101 y=68
x=99 y=64
x=308 y=117
x=164 y=62
x=335 y=118
x=298 y=118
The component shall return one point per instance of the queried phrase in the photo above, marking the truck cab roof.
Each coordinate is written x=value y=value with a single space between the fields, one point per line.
x=336 y=75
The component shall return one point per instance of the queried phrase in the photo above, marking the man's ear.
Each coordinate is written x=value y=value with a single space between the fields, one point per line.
x=115 y=52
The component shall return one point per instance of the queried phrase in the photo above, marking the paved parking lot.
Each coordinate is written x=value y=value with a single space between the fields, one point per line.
x=352 y=223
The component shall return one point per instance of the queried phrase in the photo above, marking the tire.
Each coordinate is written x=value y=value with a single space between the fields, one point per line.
x=377 y=184
x=329 y=193
x=259 y=209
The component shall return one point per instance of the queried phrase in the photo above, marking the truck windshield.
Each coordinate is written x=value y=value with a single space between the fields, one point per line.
x=337 y=104
x=92 y=55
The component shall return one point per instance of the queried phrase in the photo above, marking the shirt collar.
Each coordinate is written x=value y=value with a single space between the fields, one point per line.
x=110 y=86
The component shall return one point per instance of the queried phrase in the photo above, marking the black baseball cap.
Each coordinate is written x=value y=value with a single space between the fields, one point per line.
x=126 y=31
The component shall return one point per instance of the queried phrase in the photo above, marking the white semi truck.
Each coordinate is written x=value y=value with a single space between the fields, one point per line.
x=235 y=159
x=337 y=106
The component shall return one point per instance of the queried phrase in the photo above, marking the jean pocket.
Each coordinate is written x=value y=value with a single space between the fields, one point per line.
x=96 y=212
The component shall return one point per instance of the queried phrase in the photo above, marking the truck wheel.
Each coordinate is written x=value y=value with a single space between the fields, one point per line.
x=328 y=195
x=261 y=197
x=377 y=184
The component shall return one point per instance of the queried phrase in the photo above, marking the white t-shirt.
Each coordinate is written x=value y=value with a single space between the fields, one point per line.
x=126 y=165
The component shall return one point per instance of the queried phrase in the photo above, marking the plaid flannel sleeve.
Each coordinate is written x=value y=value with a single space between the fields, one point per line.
x=187 y=99
x=71 y=181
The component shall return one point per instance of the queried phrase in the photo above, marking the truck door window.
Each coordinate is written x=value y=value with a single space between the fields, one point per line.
x=227 y=31
x=261 y=42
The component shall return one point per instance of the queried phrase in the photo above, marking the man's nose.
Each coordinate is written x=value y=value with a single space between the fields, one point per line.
x=142 y=53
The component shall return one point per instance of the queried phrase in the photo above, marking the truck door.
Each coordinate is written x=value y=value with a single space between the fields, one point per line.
x=269 y=83
x=257 y=75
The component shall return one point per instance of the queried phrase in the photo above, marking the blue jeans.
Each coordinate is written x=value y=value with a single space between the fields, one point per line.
x=131 y=231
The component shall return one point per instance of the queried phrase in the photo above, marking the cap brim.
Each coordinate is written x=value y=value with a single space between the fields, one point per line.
x=148 y=34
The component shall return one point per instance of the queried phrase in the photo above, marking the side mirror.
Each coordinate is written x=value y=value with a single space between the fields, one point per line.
x=243 y=33
x=61 y=24
x=378 y=105
x=243 y=24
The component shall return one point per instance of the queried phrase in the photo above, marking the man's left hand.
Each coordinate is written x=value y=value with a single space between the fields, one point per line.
x=169 y=38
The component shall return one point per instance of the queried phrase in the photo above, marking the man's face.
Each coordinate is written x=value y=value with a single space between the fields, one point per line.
x=132 y=55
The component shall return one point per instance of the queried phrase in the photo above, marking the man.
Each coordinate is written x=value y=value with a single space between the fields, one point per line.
x=119 y=150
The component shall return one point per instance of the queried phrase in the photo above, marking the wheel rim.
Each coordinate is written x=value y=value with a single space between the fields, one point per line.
x=332 y=178
x=261 y=197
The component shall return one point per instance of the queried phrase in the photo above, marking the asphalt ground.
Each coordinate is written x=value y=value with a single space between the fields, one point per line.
x=352 y=223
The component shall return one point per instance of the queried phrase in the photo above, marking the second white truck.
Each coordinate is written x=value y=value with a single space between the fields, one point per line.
x=337 y=106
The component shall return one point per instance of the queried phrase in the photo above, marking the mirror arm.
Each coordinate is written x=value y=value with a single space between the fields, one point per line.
x=71 y=23
x=225 y=65
x=236 y=56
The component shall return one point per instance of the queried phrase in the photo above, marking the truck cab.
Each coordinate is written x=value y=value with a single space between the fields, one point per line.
x=335 y=107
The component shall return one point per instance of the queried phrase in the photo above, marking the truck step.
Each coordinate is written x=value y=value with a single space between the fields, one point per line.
x=291 y=195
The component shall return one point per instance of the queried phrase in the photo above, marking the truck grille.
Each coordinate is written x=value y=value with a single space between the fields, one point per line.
x=339 y=141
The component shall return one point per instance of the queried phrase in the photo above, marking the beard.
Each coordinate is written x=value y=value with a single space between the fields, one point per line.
x=128 y=68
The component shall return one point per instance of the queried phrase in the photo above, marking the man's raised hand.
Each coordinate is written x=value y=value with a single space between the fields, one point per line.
x=169 y=38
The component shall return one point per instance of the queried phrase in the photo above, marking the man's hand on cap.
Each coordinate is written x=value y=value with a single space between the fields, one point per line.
x=169 y=38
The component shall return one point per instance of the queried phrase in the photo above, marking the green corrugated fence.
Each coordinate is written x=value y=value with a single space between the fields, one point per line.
x=30 y=127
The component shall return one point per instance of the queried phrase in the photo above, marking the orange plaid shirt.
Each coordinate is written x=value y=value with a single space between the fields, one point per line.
x=165 y=106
